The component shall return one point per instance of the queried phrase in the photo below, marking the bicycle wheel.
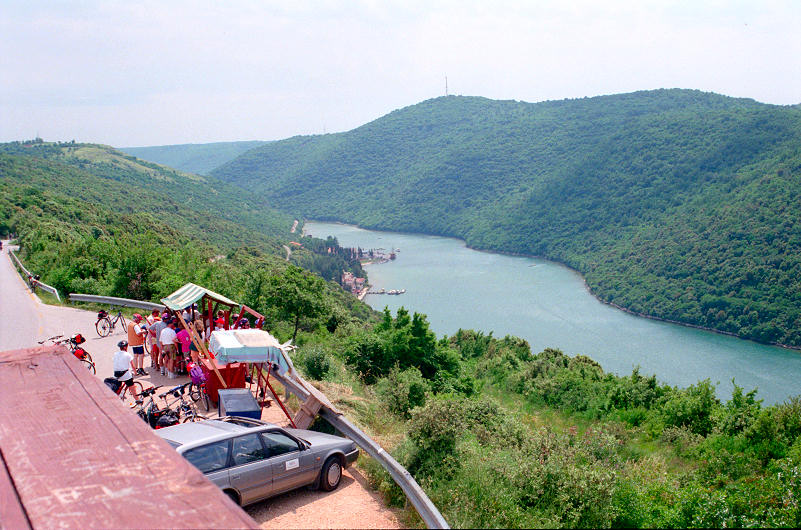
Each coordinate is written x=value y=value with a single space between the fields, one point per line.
x=122 y=321
x=146 y=344
x=193 y=418
x=89 y=365
x=103 y=327
x=128 y=392
x=88 y=357
x=199 y=394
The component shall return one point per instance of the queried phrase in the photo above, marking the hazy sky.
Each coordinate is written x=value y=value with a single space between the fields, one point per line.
x=135 y=73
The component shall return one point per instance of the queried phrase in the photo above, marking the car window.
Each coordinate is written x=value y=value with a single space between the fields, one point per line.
x=209 y=457
x=278 y=443
x=247 y=449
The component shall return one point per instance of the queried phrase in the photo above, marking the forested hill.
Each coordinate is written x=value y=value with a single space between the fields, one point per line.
x=674 y=203
x=90 y=219
x=194 y=158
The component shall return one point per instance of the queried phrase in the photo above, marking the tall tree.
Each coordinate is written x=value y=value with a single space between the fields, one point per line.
x=297 y=294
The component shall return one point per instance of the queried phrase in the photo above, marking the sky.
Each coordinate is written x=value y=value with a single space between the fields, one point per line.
x=140 y=73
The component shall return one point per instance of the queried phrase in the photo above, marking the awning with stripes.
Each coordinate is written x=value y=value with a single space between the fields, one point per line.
x=190 y=294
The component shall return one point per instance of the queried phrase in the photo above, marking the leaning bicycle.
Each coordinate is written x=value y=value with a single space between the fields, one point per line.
x=74 y=344
x=105 y=322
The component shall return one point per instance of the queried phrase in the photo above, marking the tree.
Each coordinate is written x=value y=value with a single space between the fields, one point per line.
x=296 y=294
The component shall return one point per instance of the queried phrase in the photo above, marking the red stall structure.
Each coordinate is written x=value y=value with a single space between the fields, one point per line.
x=237 y=358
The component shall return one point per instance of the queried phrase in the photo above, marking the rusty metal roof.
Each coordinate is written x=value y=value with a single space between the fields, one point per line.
x=73 y=455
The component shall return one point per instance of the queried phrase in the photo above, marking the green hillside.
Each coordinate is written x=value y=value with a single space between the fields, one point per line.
x=92 y=197
x=672 y=203
x=194 y=158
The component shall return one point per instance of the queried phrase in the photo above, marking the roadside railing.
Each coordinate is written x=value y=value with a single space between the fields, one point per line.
x=113 y=300
x=32 y=280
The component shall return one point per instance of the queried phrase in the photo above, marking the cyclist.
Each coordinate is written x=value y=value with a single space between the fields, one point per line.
x=124 y=366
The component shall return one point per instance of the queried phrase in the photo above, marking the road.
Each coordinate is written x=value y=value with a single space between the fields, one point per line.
x=25 y=320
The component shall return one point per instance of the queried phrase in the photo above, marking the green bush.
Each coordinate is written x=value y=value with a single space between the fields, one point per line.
x=401 y=391
x=315 y=363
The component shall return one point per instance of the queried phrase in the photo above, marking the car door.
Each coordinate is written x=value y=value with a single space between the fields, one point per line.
x=250 y=472
x=291 y=466
x=212 y=460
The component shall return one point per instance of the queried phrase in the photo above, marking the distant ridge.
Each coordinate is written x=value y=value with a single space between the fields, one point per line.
x=677 y=204
x=194 y=158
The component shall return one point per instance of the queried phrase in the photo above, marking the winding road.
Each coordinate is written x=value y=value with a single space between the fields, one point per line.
x=25 y=320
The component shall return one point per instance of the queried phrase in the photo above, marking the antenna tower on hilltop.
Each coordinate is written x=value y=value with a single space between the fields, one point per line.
x=446 y=85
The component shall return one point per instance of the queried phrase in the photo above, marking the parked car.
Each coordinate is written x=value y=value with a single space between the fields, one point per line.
x=251 y=460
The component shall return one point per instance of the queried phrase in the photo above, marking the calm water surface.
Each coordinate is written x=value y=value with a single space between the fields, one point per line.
x=549 y=306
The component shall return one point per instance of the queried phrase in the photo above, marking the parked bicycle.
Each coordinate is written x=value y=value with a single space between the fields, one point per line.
x=73 y=343
x=185 y=409
x=155 y=416
x=197 y=392
x=105 y=322
x=197 y=388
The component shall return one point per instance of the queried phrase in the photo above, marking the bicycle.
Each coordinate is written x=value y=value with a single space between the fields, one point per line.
x=185 y=410
x=125 y=391
x=105 y=322
x=199 y=393
x=156 y=417
x=73 y=343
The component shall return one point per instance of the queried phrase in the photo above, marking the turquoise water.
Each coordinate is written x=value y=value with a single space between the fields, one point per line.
x=549 y=306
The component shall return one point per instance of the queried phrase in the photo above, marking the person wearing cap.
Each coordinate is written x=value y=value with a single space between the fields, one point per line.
x=136 y=340
x=123 y=364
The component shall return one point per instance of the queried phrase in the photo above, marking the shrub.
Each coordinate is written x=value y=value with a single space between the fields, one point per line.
x=315 y=364
x=401 y=391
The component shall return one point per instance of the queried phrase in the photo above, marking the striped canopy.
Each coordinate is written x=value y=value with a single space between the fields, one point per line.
x=190 y=294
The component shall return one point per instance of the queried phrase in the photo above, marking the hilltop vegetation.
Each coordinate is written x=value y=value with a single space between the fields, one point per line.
x=194 y=158
x=677 y=204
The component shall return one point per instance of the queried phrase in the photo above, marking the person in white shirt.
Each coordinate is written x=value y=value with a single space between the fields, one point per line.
x=123 y=365
x=168 y=338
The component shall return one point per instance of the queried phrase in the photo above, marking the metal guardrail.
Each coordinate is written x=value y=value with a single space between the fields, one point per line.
x=427 y=510
x=34 y=283
x=113 y=300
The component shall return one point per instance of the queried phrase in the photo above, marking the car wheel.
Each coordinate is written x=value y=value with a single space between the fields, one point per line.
x=233 y=496
x=331 y=474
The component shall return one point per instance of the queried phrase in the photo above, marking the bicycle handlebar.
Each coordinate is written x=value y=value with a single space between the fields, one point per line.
x=179 y=388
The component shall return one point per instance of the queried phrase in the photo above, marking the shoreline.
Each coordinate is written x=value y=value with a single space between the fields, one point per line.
x=584 y=281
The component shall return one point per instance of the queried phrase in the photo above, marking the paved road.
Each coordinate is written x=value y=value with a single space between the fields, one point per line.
x=25 y=320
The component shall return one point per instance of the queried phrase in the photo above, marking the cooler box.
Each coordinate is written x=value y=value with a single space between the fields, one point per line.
x=238 y=402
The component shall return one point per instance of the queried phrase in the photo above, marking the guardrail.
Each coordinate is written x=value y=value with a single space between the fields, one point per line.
x=32 y=280
x=113 y=300
x=427 y=510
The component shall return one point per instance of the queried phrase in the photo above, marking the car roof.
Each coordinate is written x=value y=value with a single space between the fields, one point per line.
x=210 y=430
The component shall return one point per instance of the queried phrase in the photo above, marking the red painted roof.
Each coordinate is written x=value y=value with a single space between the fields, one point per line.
x=73 y=455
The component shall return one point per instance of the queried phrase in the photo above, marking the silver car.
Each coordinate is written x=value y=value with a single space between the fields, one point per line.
x=251 y=460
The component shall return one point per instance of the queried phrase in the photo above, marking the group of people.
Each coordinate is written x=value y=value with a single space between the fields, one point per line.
x=170 y=343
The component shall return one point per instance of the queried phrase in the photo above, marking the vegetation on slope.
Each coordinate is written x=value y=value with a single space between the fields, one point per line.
x=496 y=436
x=194 y=158
x=672 y=203
x=84 y=212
